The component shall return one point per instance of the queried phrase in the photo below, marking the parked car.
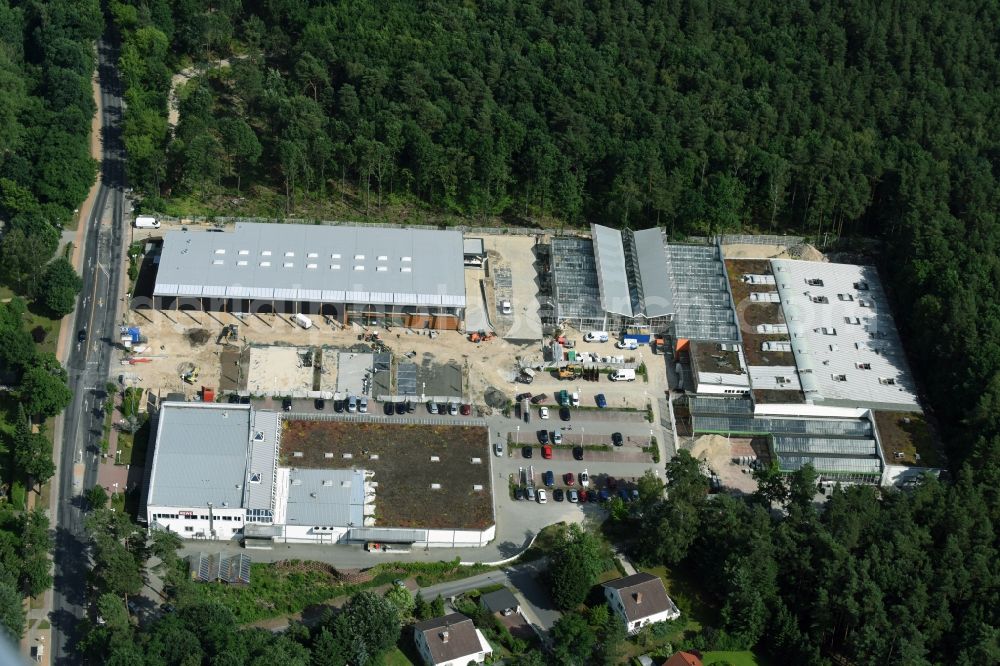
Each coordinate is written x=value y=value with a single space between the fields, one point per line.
x=583 y=496
x=602 y=402
x=352 y=404
x=557 y=436
x=529 y=494
x=432 y=407
x=569 y=479
x=388 y=409
x=526 y=452
x=558 y=494
x=573 y=496
x=624 y=495
x=319 y=404
x=578 y=453
x=564 y=398
x=543 y=436
x=523 y=396
x=541 y=397
x=603 y=496
x=548 y=478
x=564 y=414
x=585 y=479
x=543 y=412
x=519 y=493
x=593 y=496
x=338 y=406
x=547 y=452
x=286 y=404
x=400 y=407
x=81 y=335
x=575 y=399
x=616 y=439
x=363 y=405
x=542 y=499
x=453 y=409
x=498 y=449
x=466 y=410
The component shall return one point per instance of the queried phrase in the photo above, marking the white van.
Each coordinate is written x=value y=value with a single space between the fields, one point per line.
x=627 y=343
x=302 y=320
x=622 y=376
x=146 y=222
x=596 y=336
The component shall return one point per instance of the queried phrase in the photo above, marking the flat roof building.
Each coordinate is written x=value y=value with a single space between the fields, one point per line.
x=224 y=471
x=410 y=277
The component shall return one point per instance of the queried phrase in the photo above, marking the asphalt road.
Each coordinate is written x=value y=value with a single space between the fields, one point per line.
x=88 y=365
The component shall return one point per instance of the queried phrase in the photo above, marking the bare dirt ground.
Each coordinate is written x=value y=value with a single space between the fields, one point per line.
x=404 y=470
x=515 y=256
x=803 y=251
x=277 y=370
x=170 y=348
x=717 y=453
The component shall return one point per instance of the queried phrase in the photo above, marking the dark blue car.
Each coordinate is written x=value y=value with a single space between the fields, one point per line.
x=601 y=400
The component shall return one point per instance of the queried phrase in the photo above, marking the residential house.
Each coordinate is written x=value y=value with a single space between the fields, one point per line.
x=640 y=600
x=683 y=659
x=452 y=640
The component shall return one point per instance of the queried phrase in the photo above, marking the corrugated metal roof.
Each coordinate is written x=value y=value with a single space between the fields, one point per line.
x=325 y=497
x=263 y=455
x=609 y=254
x=297 y=261
x=657 y=299
x=200 y=455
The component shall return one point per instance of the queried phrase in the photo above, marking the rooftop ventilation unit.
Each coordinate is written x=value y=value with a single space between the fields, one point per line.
x=435 y=459
x=296 y=454
x=477 y=486
x=296 y=482
x=477 y=461
x=327 y=483
x=435 y=486
x=348 y=456
x=328 y=455
x=373 y=456
x=258 y=436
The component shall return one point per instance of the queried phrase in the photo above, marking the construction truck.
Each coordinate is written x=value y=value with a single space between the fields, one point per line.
x=191 y=376
x=570 y=372
x=230 y=333
x=481 y=336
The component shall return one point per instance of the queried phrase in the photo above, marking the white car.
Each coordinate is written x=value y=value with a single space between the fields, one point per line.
x=584 y=479
x=453 y=409
x=543 y=412
x=576 y=399
x=506 y=308
x=542 y=496
x=498 y=449
x=557 y=436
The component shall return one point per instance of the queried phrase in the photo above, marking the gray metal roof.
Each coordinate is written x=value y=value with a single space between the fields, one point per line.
x=316 y=263
x=262 y=466
x=654 y=274
x=325 y=497
x=388 y=534
x=609 y=254
x=200 y=455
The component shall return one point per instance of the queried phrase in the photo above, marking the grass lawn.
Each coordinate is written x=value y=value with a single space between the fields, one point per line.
x=689 y=598
x=43 y=330
x=396 y=657
x=132 y=447
x=744 y=658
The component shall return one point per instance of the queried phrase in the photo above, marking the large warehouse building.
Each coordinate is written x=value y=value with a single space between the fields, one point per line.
x=403 y=277
x=233 y=472
x=818 y=373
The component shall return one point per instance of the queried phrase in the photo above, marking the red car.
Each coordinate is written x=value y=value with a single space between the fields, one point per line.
x=546 y=451
x=583 y=496
x=569 y=479
x=466 y=410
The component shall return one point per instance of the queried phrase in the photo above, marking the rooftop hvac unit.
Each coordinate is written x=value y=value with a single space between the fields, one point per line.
x=435 y=486
x=296 y=454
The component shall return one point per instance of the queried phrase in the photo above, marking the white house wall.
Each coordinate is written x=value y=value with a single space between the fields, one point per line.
x=228 y=523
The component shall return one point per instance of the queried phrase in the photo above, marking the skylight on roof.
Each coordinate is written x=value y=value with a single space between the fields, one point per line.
x=243 y=253
x=241 y=263
x=359 y=256
x=310 y=265
x=265 y=253
x=406 y=258
x=359 y=268
x=382 y=269
x=289 y=264
x=383 y=257
x=312 y=255
x=334 y=267
x=220 y=251
x=335 y=255
x=405 y=269
x=218 y=262
x=265 y=264
x=289 y=254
